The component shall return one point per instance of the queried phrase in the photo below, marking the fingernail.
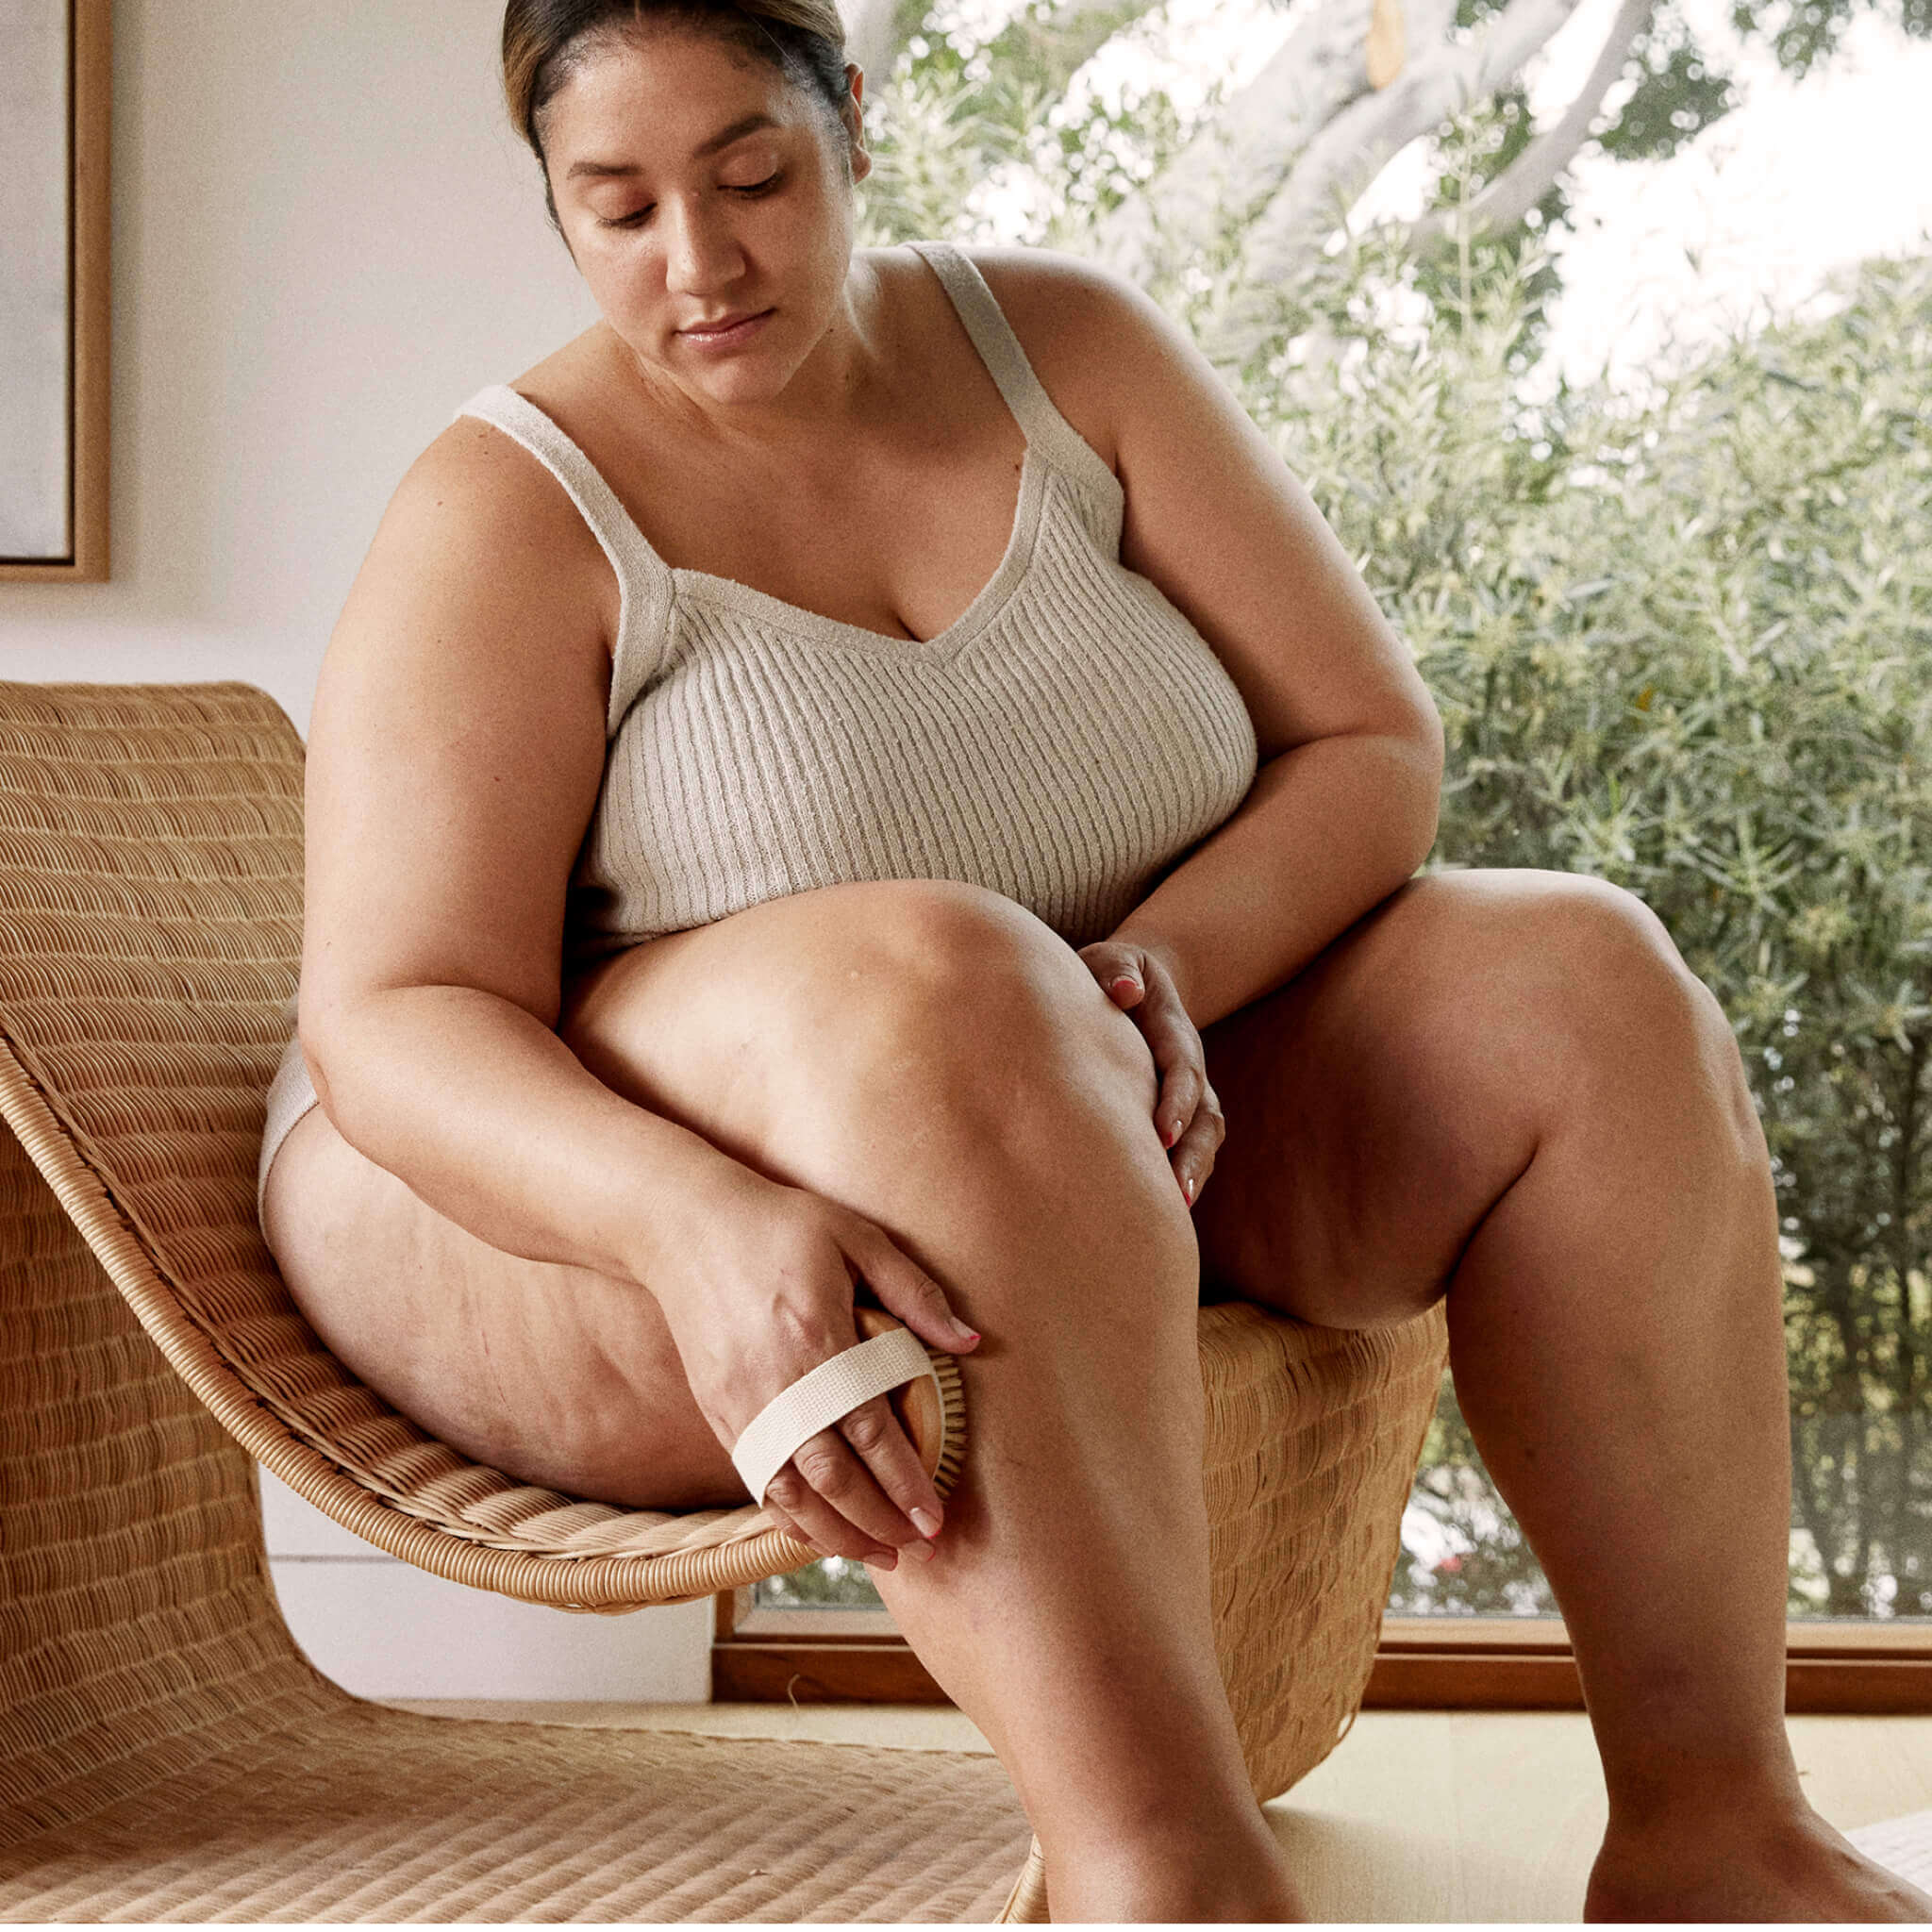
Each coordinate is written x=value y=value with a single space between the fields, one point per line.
x=881 y=1563
x=924 y=1552
x=1188 y=1187
x=1131 y=985
x=924 y=1522
x=972 y=1335
x=1169 y=1134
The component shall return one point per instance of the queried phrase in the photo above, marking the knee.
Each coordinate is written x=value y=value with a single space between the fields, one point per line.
x=1584 y=983
x=953 y=993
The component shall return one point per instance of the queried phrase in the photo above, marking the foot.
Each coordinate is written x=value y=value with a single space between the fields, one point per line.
x=1791 y=1867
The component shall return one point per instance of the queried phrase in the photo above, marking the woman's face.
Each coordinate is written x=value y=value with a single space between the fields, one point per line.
x=695 y=184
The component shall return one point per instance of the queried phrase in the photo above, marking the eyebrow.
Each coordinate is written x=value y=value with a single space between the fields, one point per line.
x=747 y=124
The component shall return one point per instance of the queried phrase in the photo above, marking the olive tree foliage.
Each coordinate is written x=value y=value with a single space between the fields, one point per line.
x=1684 y=644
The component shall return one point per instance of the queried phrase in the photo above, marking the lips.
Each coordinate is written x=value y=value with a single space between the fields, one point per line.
x=724 y=323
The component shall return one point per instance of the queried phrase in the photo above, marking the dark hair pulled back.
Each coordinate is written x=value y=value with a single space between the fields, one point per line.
x=545 y=40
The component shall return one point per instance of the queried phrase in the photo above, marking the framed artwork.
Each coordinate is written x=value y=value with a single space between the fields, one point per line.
x=55 y=80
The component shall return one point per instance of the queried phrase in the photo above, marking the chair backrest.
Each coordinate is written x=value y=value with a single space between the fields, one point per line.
x=150 y=943
x=137 y=1626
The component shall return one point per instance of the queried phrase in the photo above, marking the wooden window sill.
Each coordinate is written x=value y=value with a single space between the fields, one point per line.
x=1423 y=1663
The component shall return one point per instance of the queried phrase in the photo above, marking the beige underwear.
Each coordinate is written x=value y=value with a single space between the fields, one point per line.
x=290 y=1095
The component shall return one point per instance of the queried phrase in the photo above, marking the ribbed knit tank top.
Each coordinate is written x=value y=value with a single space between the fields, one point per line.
x=1062 y=741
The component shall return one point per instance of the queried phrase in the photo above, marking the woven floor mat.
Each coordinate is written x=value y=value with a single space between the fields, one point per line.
x=379 y=1814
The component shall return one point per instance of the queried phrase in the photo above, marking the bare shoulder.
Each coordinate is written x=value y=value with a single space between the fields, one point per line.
x=1091 y=334
x=477 y=489
x=477 y=527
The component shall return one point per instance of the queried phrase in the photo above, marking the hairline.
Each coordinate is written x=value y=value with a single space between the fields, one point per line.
x=734 y=34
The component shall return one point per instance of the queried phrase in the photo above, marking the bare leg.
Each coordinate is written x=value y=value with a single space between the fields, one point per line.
x=1533 y=1101
x=934 y=1058
x=1067 y=1609
x=996 y=1117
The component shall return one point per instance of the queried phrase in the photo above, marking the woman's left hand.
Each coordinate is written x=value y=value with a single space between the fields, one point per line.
x=1186 y=1115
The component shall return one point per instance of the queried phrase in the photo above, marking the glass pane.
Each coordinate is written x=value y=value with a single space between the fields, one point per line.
x=1855 y=1319
x=1462 y=1554
x=837 y=1583
x=1860 y=1541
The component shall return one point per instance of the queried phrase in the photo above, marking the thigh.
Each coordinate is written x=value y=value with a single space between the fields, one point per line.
x=755 y=1031
x=1384 y=1099
x=749 y=1031
x=556 y=1376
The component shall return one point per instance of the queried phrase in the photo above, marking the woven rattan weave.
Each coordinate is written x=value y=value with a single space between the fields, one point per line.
x=150 y=912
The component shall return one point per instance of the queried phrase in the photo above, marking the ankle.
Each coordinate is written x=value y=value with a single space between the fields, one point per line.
x=1200 y=1896
x=1671 y=1790
x=1706 y=1803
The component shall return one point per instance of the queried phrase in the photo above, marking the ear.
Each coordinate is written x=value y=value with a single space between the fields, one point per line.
x=852 y=113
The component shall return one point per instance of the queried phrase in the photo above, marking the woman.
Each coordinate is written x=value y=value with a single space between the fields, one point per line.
x=863 y=764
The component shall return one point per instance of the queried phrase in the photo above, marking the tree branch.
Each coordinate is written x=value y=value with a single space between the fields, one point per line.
x=1239 y=161
x=1357 y=145
x=1529 y=177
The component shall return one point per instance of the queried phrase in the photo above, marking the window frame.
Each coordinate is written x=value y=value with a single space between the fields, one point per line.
x=1836 y=1667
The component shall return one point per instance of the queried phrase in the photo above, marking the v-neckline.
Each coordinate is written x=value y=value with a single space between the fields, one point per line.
x=990 y=599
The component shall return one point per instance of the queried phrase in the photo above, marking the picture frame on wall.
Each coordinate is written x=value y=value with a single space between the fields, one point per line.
x=55 y=85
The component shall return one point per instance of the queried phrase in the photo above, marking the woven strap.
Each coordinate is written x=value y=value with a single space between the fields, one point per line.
x=819 y=1397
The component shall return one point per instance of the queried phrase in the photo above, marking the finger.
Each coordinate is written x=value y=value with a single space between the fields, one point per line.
x=824 y=1528
x=1181 y=1090
x=785 y=1525
x=826 y=1461
x=1193 y=1158
x=814 y=1520
x=882 y=1445
x=905 y=1289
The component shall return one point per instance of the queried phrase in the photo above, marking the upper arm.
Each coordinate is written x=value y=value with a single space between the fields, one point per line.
x=1215 y=518
x=457 y=739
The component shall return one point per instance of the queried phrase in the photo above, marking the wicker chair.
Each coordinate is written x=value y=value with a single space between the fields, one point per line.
x=165 y=1750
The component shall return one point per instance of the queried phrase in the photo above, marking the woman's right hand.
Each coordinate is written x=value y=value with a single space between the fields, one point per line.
x=762 y=1297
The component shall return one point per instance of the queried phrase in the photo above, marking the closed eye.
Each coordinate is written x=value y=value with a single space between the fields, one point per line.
x=635 y=218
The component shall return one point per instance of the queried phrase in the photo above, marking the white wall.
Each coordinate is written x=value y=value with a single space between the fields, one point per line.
x=383 y=1628
x=325 y=239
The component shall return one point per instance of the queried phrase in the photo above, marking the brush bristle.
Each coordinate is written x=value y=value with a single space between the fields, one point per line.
x=952 y=1406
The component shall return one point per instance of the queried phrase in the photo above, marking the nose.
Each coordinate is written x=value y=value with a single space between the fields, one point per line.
x=701 y=255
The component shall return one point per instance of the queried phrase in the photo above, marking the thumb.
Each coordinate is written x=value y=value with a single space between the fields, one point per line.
x=907 y=1292
x=1115 y=967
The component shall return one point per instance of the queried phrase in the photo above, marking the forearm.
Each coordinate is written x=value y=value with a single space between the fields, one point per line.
x=486 y=1115
x=1326 y=831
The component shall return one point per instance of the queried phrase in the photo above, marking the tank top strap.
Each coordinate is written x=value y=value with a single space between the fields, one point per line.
x=1041 y=424
x=645 y=584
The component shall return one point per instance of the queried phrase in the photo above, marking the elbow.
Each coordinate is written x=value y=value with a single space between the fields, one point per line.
x=1427 y=751
x=326 y=1028
x=1414 y=750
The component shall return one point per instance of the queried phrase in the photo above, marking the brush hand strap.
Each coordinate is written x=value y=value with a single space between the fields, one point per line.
x=819 y=1398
